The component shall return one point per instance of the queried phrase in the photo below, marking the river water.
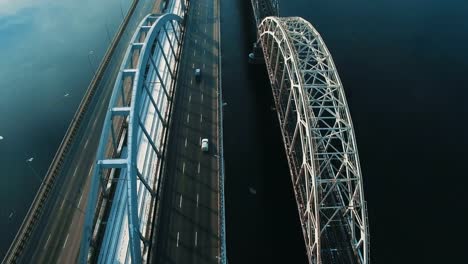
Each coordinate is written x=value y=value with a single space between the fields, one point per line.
x=49 y=51
x=403 y=65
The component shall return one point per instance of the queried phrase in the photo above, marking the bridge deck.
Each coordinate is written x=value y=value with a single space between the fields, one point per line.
x=188 y=227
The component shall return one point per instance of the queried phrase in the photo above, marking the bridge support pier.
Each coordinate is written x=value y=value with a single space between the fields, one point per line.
x=256 y=56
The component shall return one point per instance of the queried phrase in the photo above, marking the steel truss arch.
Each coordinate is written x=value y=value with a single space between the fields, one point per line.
x=118 y=151
x=319 y=141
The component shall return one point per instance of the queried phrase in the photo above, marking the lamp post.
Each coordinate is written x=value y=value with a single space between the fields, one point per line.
x=108 y=33
x=121 y=9
x=91 y=52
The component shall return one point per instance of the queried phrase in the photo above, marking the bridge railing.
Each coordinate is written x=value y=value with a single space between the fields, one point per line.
x=222 y=218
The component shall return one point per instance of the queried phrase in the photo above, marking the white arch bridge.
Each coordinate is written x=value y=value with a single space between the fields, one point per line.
x=319 y=140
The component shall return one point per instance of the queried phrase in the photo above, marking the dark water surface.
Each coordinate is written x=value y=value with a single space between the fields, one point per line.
x=404 y=66
x=49 y=50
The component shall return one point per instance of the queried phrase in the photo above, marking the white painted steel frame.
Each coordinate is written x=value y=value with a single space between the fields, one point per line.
x=319 y=141
x=150 y=27
x=264 y=8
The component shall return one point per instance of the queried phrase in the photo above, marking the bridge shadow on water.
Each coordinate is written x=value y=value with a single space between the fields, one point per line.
x=261 y=216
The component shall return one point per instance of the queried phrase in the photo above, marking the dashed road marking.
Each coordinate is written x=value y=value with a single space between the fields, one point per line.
x=198 y=168
x=185 y=142
x=86 y=144
x=190 y=96
x=74 y=172
x=196 y=238
x=180 y=201
x=177 y=239
x=201 y=118
x=202 y=98
x=47 y=241
x=66 y=240
x=188 y=118
x=183 y=168
x=197 y=199
x=79 y=202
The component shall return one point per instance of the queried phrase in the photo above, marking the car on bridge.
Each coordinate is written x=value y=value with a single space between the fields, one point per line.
x=204 y=145
x=197 y=74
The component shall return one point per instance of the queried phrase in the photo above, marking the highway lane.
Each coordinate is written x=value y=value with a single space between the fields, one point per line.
x=59 y=232
x=188 y=225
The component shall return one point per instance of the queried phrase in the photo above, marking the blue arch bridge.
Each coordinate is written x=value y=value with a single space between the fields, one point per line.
x=151 y=192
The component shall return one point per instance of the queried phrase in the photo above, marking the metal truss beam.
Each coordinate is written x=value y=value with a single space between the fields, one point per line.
x=319 y=140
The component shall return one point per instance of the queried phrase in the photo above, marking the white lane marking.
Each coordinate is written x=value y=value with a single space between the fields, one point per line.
x=204 y=51
x=191 y=82
x=74 y=172
x=203 y=65
x=185 y=142
x=47 y=241
x=205 y=41
x=90 y=169
x=190 y=96
x=196 y=238
x=183 y=168
x=201 y=118
x=194 y=53
x=66 y=239
x=62 y=203
x=180 y=201
x=195 y=41
x=197 y=199
x=205 y=29
x=188 y=118
x=202 y=98
x=86 y=144
x=193 y=65
x=198 y=168
x=79 y=202
x=94 y=124
x=177 y=239
x=199 y=142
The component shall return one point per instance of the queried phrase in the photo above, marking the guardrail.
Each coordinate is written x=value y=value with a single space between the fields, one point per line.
x=35 y=210
x=222 y=220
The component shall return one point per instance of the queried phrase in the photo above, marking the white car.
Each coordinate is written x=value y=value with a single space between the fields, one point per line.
x=204 y=145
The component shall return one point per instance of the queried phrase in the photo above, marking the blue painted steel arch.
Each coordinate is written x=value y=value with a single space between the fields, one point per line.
x=150 y=28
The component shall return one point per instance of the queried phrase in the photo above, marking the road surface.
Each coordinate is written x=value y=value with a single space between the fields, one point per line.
x=187 y=230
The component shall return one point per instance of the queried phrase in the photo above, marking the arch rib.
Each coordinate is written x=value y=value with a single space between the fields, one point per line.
x=134 y=97
x=319 y=140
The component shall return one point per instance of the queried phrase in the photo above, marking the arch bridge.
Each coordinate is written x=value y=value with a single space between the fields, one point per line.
x=126 y=180
x=319 y=139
